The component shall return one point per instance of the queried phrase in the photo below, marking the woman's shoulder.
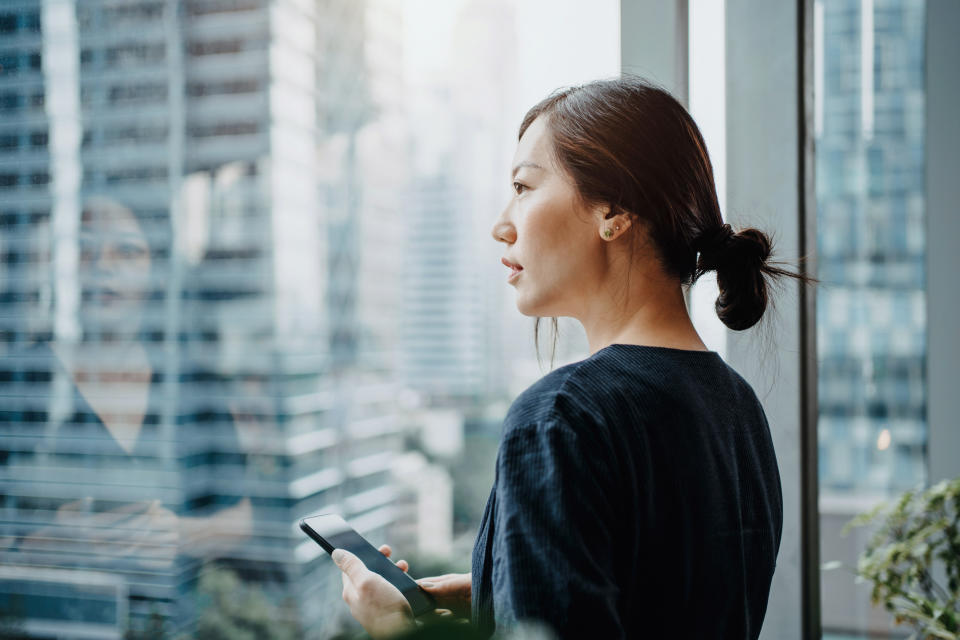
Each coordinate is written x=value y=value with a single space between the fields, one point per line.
x=570 y=395
x=594 y=390
x=547 y=398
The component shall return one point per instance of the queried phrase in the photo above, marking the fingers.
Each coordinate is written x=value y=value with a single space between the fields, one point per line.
x=437 y=582
x=451 y=591
x=121 y=516
x=136 y=527
x=386 y=550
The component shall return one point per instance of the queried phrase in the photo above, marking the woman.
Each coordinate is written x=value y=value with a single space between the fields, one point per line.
x=637 y=492
x=94 y=431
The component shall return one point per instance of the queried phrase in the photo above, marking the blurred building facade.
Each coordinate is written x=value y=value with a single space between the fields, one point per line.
x=871 y=303
x=251 y=143
x=871 y=247
x=455 y=350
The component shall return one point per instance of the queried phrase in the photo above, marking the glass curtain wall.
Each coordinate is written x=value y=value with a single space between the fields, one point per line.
x=871 y=324
x=246 y=275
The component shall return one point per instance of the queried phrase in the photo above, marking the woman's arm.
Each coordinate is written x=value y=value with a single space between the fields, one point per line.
x=226 y=529
x=553 y=550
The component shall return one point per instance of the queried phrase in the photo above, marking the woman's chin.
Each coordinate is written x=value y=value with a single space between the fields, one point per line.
x=529 y=306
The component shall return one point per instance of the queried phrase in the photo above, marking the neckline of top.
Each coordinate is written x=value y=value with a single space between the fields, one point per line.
x=670 y=350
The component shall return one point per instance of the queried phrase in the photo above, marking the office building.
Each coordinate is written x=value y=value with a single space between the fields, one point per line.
x=220 y=147
x=871 y=323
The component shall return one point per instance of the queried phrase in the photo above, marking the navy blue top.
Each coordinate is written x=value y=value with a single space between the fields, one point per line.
x=79 y=446
x=636 y=495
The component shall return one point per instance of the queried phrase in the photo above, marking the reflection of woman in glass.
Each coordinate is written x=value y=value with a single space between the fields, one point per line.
x=120 y=492
x=637 y=492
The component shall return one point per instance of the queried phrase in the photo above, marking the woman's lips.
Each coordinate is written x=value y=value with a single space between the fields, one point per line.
x=515 y=269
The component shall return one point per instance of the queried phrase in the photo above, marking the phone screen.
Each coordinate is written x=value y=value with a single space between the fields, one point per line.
x=332 y=532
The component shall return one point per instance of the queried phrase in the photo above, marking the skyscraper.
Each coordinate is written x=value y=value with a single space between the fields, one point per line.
x=452 y=331
x=182 y=188
x=870 y=199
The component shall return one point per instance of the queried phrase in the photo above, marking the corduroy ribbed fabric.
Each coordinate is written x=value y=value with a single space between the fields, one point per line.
x=636 y=495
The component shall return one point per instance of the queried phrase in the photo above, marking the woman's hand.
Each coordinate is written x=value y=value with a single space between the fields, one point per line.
x=375 y=603
x=451 y=591
x=157 y=539
x=144 y=532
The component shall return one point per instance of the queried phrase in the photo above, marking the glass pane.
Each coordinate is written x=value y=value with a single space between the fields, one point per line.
x=247 y=276
x=871 y=325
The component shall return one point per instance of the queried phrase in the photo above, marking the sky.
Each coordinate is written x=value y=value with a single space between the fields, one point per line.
x=560 y=42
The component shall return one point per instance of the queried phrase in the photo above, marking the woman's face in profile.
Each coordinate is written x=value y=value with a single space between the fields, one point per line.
x=547 y=232
x=114 y=264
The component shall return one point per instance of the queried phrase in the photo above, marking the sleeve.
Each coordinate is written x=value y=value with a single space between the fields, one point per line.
x=553 y=550
x=212 y=446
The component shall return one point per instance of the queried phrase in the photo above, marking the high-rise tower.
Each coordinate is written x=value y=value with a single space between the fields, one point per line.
x=181 y=190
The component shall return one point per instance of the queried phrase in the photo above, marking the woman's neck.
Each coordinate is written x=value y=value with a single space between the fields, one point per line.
x=653 y=314
x=115 y=381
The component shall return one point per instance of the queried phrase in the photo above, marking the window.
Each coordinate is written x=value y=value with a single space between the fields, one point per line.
x=135 y=175
x=254 y=351
x=10 y=101
x=137 y=93
x=31 y=22
x=871 y=325
x=207 y=7
x=9 y=141
x=246 y=85
x=127 y=134
x=9 y=63
x=131 y=55
x=134 y=14
x=217 y=47
x=225 y=129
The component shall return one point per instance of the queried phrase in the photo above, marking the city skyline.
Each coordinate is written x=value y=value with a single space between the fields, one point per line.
x=217 y=301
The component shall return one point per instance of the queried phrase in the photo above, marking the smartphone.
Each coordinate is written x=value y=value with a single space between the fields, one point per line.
x=332 y=532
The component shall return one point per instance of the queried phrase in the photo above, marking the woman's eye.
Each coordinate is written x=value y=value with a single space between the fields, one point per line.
x=518 y=187
x=131 y=251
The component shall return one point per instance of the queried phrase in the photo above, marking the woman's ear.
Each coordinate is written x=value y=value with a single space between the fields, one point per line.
x=612 y=224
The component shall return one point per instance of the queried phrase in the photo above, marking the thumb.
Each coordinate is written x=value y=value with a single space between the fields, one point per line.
x=348 y=563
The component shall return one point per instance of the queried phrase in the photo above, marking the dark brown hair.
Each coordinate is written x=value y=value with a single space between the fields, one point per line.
x=631 y=146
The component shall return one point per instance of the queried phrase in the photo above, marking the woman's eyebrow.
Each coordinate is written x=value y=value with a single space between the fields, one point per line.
x=525 y=163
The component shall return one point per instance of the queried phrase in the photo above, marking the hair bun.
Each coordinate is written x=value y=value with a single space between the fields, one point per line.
x=740 y=260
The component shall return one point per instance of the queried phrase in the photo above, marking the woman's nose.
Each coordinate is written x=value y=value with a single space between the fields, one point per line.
x=503 y=230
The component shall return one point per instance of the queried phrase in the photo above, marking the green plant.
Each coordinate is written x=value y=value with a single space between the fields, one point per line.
x=917 y=536
x=231 y=609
